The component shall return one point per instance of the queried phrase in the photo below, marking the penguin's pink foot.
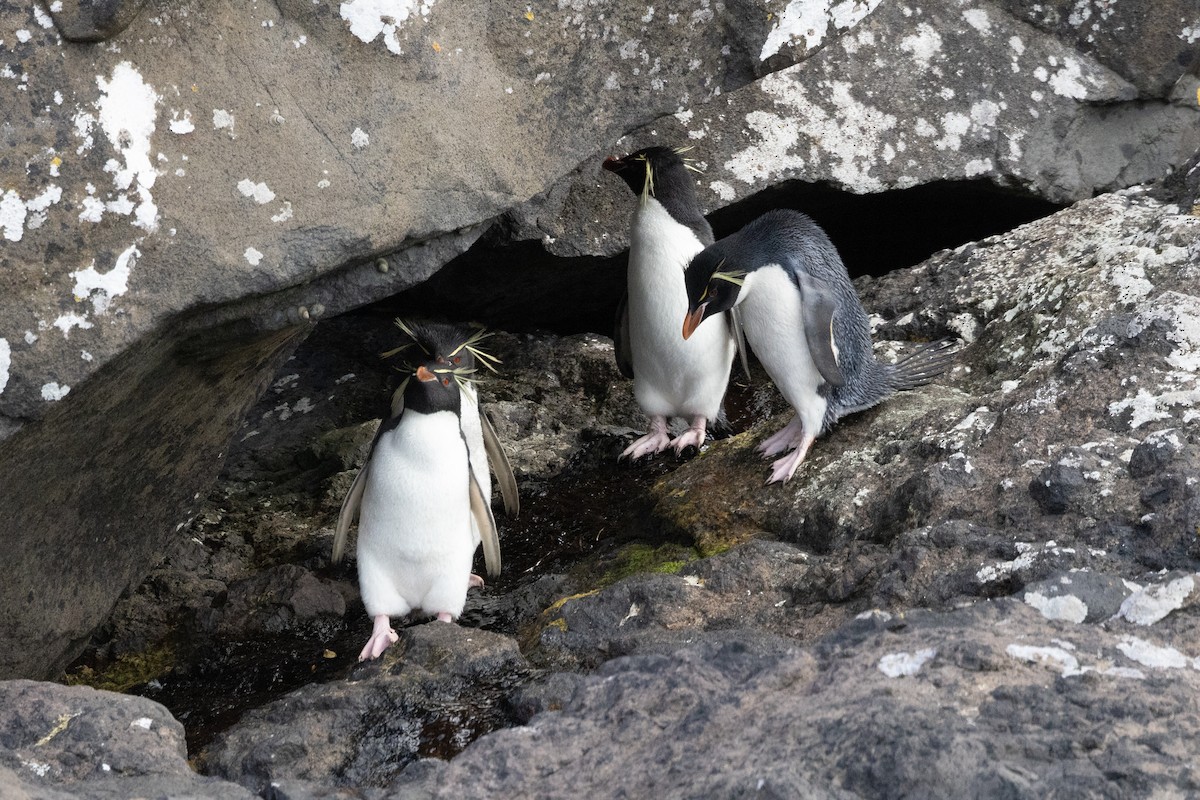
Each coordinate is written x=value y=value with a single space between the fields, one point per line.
x=653 y=442
x=692 y=437
x=382 y=637
x=445 y=616
x=474 y=582
x=785 y=438
x=783 y=469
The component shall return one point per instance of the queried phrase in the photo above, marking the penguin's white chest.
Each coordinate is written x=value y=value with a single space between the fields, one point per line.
x=672 y=376
x=416 y=535
x=772 y=315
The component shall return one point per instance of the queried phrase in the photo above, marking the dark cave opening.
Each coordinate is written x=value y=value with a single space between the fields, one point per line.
x=519 y=287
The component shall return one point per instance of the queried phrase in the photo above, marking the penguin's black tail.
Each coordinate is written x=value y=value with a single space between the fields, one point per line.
x=923 y=364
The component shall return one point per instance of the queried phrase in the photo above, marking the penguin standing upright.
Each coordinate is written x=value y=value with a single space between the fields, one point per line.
x=805 y=323
x=671 y=377
x=423 y=497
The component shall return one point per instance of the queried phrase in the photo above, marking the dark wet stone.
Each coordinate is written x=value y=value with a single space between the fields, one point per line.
x=1056 y=488
x=93 y=20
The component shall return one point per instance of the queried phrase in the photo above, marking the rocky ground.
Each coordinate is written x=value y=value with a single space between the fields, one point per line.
x=986 y=587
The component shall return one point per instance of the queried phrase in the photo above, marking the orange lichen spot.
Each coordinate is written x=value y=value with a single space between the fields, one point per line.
x=437 y=48
x=529 y=16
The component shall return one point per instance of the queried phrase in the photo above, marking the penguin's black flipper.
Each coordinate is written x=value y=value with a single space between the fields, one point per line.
x=739 y=339
x=486 y=522
x=819 y=304
x=622 y=346
x=499 y=462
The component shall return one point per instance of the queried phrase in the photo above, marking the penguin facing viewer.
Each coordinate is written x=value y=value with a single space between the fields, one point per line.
x=671 y=377
x=423 y=497
x=805 y=323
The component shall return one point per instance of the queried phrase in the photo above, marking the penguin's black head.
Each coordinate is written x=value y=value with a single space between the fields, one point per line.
x=432 y=388
x=440 y=360
x=643 y=169
x=712 y=287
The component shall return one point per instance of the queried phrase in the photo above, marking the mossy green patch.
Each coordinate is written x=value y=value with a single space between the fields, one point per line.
x=637 y=558
x=129 y=670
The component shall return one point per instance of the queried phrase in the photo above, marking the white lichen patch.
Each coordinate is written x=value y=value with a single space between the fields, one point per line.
x=370 y=19
x=924 y=45
x=1068 y=81
x=1053 y=657
x=222 y=120
x=1150 y=604
x=810 y=19
x=978 y=19
x=852 y=139
x=102 y=287
x=17 y=215
x=283 y=215
x=1154 y=656
x=53 y=392
x=1027 y=553
x=253 y=256
x=66 y=322
x=359 y=139
x=259 y=192
x=12 y=216
x=5 y=362
x=126 y=114
x=1066 y=607
x=905 y=665
x=1179 y=385
x=182 y=125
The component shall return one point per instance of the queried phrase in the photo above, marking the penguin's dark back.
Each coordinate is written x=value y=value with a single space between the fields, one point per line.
x=795 y=241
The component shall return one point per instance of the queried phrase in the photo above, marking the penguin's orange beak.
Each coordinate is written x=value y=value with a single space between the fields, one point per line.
x=693 y=320
x=425 y=375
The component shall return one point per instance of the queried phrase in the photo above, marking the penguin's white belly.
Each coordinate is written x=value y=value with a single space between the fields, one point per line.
x=415 y=534
x=773 y=317
x=672 y=376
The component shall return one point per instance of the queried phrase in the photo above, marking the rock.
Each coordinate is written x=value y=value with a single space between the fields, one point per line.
x=1083 y=354
x=439 y=688
x=277 y=599
x=1078 y=596
x=974 y=702
x=136 y=452
x=78 y=21
x=59 y=741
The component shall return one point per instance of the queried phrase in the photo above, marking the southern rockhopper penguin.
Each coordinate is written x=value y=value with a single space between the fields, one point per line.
x=671 y=377
x=423 y=497
x=805 y=323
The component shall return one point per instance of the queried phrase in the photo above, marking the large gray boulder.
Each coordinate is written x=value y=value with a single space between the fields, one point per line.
x=59 y=742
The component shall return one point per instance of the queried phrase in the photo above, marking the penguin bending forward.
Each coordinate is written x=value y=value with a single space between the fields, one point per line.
x=423 y=497
x=671 y=377
x=805 y=323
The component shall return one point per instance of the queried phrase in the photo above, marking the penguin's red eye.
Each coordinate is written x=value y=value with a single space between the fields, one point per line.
x=445 y=381
x=458 y=359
